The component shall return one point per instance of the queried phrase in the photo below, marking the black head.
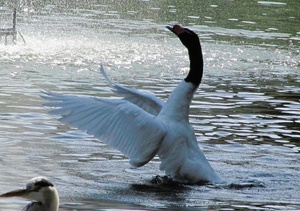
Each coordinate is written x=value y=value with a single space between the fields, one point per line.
x=188 y=38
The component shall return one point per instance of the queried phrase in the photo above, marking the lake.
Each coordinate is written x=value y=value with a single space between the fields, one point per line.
x=246 y=112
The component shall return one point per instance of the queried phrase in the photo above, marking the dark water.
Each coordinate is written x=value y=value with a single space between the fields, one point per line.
x=246 y=113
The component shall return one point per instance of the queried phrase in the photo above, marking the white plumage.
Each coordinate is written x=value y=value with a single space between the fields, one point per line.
x=118 y=123
x=145 y=100
x=141 y=126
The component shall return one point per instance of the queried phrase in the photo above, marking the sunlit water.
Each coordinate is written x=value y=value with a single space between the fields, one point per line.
x=246 y=113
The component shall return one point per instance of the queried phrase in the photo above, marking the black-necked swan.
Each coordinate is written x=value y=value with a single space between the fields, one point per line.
x=142 y=126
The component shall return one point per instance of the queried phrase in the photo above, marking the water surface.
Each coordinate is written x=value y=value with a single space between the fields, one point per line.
x=246 y=113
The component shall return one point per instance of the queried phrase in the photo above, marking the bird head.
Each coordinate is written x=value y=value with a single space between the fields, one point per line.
x=188 y=38
x=38 y=189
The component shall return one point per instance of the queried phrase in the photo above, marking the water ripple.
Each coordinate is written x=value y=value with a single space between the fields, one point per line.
x=246 y=113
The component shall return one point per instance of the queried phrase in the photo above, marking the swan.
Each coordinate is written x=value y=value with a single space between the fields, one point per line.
x=41 y=191
x=141 y=126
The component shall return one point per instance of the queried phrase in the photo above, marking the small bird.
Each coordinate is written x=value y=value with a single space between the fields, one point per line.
x=141 y=125
x=41 y=191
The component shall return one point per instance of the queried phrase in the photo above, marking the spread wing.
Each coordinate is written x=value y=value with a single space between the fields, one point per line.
x=116 y=122
x=145 y=100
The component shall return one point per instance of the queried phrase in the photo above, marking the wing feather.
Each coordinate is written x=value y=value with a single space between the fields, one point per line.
x=116 y=122
x=145 y=100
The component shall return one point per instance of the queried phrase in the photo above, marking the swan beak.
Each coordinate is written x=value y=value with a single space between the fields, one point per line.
x=14 y=193
x=170 y=28
x=176 y=29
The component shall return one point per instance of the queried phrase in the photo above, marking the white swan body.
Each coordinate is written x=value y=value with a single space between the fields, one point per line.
x=141 y=126
x=179 y=152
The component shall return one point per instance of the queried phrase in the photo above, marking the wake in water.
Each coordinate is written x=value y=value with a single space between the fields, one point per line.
x=168 y=181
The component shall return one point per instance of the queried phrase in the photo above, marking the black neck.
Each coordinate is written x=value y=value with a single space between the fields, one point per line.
x=196 y=66
x=192 y=43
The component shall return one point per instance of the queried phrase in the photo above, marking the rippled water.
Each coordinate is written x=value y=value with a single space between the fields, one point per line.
x=246 y=113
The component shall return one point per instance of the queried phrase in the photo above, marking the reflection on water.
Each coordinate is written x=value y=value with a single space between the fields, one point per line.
x=234 y=21
x=246 y=113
